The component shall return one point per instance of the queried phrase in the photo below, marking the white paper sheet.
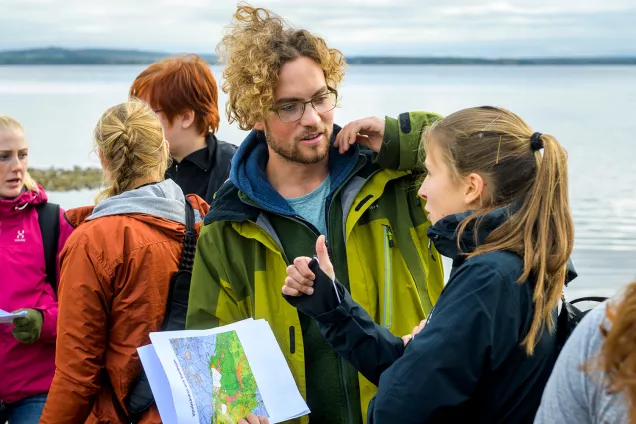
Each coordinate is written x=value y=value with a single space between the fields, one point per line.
x=158 y=383
x=192 y=367
x=7 y=317
x=275 y=380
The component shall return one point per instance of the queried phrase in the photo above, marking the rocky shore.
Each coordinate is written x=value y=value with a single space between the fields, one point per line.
x=56 y=179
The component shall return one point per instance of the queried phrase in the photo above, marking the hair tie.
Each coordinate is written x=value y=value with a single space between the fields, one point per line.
x=535 y=142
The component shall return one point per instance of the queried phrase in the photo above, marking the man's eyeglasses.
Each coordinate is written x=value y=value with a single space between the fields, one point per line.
x=293 y=111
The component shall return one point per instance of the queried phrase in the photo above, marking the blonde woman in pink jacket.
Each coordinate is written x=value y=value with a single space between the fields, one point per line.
x=27 y=346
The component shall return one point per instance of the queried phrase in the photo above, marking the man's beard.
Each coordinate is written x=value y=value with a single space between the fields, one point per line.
x=297 y=153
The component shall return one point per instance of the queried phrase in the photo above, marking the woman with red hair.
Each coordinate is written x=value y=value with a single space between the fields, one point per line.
x=183 y=93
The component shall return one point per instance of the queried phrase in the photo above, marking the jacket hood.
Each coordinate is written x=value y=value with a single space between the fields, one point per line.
x=444 y=234
x=248 y=171
x=163 y=200
x=27 y=197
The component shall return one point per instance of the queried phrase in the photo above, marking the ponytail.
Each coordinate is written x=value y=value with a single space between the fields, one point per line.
x=545 y=224
x=129 y=138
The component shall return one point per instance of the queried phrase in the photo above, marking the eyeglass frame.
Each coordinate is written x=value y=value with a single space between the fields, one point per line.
x=310 y=101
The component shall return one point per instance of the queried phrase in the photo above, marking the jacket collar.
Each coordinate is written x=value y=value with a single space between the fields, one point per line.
x=248 y=172
x=444 y=232
x=163 y=200
x=444 y=235
x=203 y=157
x=27 y=197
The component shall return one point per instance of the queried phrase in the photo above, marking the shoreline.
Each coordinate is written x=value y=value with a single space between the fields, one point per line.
x=102 y=56
x=62 y=180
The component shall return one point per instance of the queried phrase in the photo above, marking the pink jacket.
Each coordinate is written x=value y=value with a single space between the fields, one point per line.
x=26 y=369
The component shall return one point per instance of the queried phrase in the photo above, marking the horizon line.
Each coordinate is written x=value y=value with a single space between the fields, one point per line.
x=355 y=55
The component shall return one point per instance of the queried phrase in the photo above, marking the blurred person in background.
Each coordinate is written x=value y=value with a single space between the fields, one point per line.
x=594 y=379
x=183 y=93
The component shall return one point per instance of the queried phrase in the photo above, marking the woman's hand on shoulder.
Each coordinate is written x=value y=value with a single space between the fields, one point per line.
x=367 y=132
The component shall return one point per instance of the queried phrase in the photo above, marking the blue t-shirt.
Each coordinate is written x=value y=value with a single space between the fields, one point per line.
x=311 y=206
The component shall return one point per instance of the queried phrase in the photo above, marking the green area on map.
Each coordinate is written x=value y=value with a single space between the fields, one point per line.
x=235 y=392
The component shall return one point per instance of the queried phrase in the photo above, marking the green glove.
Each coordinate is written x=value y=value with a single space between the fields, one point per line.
x=27 y=329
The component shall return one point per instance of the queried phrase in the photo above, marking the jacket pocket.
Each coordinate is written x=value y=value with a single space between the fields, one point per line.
x=387 y=307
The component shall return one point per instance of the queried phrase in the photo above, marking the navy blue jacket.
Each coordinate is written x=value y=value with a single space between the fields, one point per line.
x=467 y=365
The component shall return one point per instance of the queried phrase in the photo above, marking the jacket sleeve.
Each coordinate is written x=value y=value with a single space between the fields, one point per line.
x=213 y=301
x=348 y=328
x=442 y=365
x=50 y=311
x=400 y=149
x=85 y=292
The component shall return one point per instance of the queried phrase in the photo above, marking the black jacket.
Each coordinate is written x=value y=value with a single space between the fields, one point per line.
x=204 y=171
x=466 y=365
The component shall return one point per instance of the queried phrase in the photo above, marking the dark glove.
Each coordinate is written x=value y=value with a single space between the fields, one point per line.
x=27 y=329
x=326 y=297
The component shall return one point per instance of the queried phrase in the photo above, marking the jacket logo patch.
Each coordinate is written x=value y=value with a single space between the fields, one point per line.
x=20 y=236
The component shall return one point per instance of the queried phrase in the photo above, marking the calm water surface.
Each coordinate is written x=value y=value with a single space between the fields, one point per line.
x=591 y=111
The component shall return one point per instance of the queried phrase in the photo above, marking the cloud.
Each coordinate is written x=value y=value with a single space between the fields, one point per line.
x=405 y=27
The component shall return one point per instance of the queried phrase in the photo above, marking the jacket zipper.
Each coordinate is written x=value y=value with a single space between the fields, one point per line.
x=292 y=340
x=430 y=251
x=343 y=363
x=387 y=313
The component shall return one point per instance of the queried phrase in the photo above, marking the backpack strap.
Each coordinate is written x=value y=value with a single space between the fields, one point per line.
x=179 y=291
x=49 y=221
x=598 y=299
x=189 y=240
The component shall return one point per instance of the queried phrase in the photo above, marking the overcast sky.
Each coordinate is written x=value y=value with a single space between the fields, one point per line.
x=494 y=28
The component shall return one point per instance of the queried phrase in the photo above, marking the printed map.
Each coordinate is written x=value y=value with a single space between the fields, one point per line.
x=220 y=378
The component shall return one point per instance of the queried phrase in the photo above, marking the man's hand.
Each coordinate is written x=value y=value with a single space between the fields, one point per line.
x=300 y=279
x=27 y=329
x=253 y=419
x=367 y=132
x=406 y=339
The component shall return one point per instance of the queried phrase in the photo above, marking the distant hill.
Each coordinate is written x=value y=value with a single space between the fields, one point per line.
x=60 y=56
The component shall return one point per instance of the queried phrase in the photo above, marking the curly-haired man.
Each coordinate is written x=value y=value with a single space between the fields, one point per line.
x=288 y=185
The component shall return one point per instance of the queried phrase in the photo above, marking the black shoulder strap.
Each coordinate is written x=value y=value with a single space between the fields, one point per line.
x=189 y=241
x=179 y=292
x=598 y=299
x=49 y=221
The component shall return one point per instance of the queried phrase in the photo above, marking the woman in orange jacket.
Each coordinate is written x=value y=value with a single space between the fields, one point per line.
x=116 y=270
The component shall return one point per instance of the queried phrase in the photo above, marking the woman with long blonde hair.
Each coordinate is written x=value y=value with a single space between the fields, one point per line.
x=496 y=193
